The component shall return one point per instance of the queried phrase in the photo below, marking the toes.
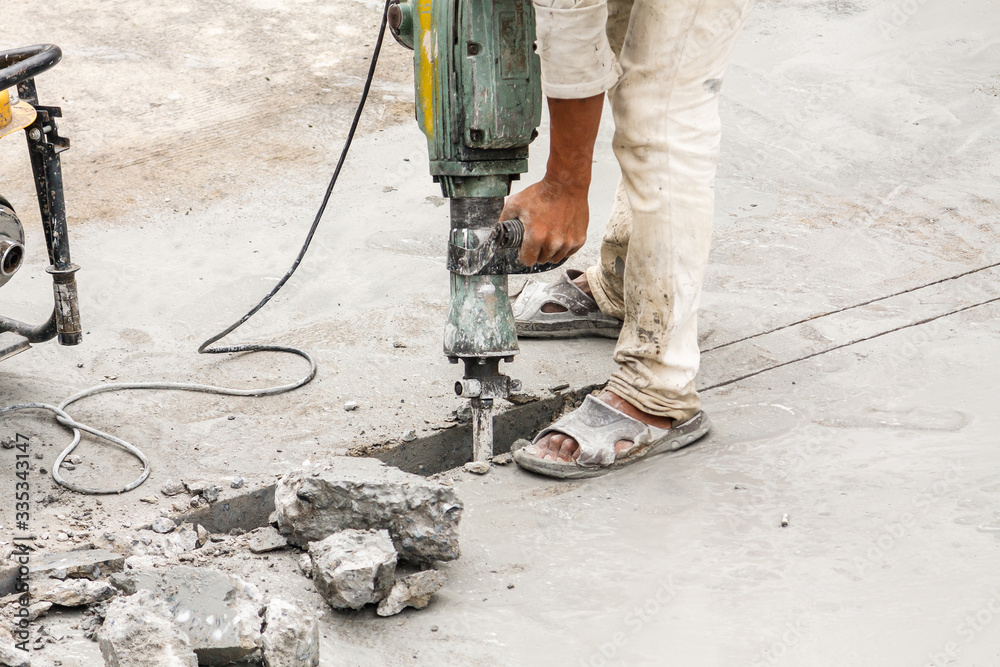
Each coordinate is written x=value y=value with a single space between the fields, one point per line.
x=554 y=446
x=568 y=449
x=561 y=447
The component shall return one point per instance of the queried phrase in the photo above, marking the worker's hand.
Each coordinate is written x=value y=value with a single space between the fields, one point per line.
x=554 y=211
x=555 y=219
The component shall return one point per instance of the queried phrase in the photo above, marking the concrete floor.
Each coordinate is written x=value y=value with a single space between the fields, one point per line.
x=859 y=166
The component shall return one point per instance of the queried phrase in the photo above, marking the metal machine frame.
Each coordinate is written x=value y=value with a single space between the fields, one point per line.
x=19 y=67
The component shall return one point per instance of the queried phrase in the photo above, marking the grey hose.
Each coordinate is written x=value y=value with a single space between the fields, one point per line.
x=66 y=420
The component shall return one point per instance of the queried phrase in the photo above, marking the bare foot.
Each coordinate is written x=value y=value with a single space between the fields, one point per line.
x=581 y=282
x=560 y=447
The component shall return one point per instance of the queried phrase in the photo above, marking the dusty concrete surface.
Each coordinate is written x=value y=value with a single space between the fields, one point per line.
x=859 y=161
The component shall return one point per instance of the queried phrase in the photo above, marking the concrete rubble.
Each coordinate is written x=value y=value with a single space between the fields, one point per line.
x=262 y=540
x=181 y=540
x=216 y=618
x=354 y=517
x=413 y=590
x=10 y=656
x=138 y=632
x=76 y=593
x=219 y=613
x=290 y=637
x=477 y=467
x=80 y=564
x=306 y=564
x=207 y=491
x=353 y=568
x=421 y=515
x=162 y=525
x=172 y=488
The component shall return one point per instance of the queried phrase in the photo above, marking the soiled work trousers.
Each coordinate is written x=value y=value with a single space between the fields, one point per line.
x=662 y=64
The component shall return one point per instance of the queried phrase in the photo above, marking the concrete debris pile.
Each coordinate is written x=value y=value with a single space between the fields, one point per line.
x=178 y=617
x=196 y=616
x=220 y=614
x=164 y=539
x=358 y=517
x=201 y=492
x=371 y=535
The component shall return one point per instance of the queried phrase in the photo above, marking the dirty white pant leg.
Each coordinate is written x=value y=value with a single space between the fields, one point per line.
x=666 y=139
x=607 y=277
x=572 y=44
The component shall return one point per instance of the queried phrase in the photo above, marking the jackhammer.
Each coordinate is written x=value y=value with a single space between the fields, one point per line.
x=479 y=103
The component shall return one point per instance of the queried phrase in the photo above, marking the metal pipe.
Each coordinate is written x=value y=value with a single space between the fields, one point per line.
x=44 y=146
x=27 y=62
x=34 y=333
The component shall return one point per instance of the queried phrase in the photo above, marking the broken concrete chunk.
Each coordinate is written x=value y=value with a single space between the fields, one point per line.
x=196 y=486
x=353 y=568
x=290 y=637
x=306 y=564
x=421 y=515
x=77 y=593
x=138 y=632
x=262 y=540
x=172 y=488
x=123 y=582
x=211 y=493
x=477 y=467
x=220 y=614
x=203 y=536
x=236 y=483
x=414 y=590
x=503 y=459
x=82 y=564
x=11 y=604
x=38 y=609
x=162 y=525
x=181 y=541
x=10 y=656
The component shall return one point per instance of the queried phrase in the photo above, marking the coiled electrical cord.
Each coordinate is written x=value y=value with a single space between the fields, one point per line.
x=77 y=427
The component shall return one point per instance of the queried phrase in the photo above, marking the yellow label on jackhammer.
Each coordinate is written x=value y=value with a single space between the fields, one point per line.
x=5 y=113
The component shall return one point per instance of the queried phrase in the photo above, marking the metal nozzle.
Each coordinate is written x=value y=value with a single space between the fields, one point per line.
x=11 y=256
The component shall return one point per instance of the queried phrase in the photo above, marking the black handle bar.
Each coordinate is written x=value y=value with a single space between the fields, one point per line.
x=27 y=62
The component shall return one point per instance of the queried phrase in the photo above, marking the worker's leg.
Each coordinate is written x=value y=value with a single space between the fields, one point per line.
x=667 y=134
x=606 y=279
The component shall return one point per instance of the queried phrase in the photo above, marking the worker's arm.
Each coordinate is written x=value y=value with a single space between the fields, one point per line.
x=578 y=66
x=554 y=211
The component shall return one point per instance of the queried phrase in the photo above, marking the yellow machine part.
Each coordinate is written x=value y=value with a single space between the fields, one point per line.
x=14 y=116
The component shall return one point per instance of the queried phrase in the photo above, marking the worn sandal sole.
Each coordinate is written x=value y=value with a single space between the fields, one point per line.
x=671 y=440
x=577 y=329
x=580 y=315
